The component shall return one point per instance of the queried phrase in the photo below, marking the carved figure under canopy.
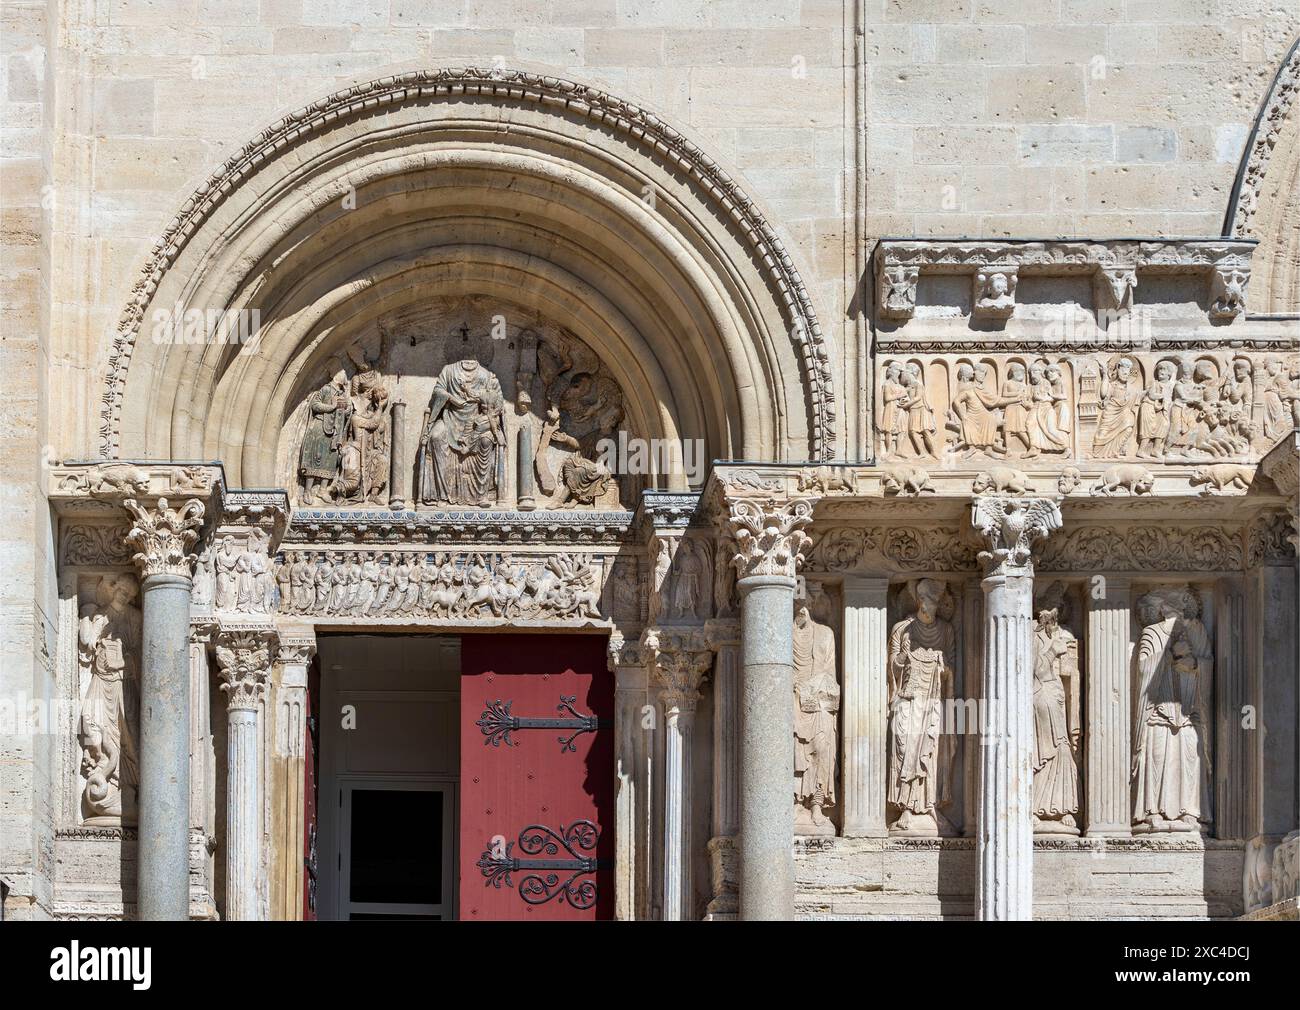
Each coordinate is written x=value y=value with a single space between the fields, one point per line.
x=922 y=657
x=1121 y=391
x=109 y=635
x=816 y=705
x=462 y=447
x=1171 y=759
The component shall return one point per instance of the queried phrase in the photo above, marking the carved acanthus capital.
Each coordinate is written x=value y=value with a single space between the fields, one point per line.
x=296 y=651
x=680 y=665
x=1011 y=527
x=768 y=535
x=244 y=665
x=162 y=536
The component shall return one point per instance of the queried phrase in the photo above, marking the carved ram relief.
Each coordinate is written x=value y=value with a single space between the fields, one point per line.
x=456 y=406
x=1193 y=406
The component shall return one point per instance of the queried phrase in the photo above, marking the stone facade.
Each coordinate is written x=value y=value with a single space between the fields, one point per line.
x=430 y=316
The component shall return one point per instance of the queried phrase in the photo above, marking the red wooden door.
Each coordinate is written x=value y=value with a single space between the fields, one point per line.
x=537 y=778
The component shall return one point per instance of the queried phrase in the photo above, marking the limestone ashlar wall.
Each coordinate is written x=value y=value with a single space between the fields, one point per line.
x=27 y=594
x=1089 y=117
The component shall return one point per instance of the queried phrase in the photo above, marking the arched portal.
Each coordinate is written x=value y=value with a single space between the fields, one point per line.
x=559 y=205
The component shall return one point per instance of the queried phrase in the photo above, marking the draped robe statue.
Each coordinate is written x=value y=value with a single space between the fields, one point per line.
x=816 y=705
x=1171 y=738
x=462 y=447
x=922 y=656
x=109 y=636
x=1056 y=718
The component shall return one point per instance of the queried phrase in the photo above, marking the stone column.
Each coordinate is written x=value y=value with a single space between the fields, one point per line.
x=162 y=537
x=680 y=666
x=1108 y=807
x=768 y=540
x=297 y=646
x=865 y=705
x=632 y=836
x=1004 y=841
x=244 y=657
x=723 y=636
x=399 y=472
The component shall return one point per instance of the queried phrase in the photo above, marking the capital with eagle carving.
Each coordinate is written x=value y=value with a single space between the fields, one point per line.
x=1011 y=528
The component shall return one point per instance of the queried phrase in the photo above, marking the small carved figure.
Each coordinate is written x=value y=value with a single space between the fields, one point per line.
x=1218 y=476
x=1001 y=480
x=1132 y=477
x=1121 y=392
x=893 y=409
x=1069 y=479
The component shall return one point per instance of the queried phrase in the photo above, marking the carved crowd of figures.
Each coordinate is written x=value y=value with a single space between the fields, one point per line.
x=439 y=586
x=1155 y=407
x=345 y=455
x=232 y=578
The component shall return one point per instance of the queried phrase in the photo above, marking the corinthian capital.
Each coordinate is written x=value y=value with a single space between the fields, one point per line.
x=1011 y=527
x=768 y=535
x=244 y=662
x=679 y=662
x=162 y=536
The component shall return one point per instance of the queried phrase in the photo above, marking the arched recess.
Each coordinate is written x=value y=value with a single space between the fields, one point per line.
x=1266 y=196
x=543 y=194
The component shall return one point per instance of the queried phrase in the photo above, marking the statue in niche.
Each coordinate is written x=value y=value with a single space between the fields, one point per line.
x=109 y=636
x=462 y=446
x=1121 y=391
x=584 y=411
x=975 y=415
x=816 y=710
x=328 y=414
x=893 y=410
x=1171 y=759
x=922 y=658
x=1056 y=717
x=688 y=584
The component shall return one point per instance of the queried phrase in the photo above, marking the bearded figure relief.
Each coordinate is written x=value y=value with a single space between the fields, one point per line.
x=109 y=643
x=922 y=658
x=462 y=446
x=1171 y=759
x=1056 y=717
x=816 y=710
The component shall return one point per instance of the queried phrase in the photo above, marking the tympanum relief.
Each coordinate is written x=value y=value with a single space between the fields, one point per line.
x=503 y=413
x=1149 y=405
x=1172 y=735
x=109 y=635
x=922 y=665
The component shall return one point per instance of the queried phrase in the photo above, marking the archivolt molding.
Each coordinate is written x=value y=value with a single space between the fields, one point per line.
x=641 y=127
x=1259 y=151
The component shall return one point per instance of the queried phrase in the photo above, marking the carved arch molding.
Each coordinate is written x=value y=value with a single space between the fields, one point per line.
x=1266 y=195
x=565 y=206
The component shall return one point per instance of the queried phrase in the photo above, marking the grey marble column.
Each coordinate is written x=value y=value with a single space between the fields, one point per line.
x=865 y=704
x=244 y=657
x=679 y=669
x=768 y=539
x=1004 y=842
x=162 y=537
x=1108 y=809
x=399 y=472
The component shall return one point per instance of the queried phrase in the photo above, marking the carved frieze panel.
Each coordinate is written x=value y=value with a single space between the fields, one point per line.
x=448 y=587
x=893 y=548
x=456 y=406
x=1143 y=547
x=84 y=543
x=1162 y=407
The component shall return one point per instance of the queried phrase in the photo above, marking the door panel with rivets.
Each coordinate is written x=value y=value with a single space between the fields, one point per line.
x=537 y=778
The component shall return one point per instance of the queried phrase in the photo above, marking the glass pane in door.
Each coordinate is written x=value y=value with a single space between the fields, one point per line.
x=396 y=852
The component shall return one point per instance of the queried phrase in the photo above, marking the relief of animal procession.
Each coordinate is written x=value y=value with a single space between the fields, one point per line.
x=1164 y=407
x=517 y=415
